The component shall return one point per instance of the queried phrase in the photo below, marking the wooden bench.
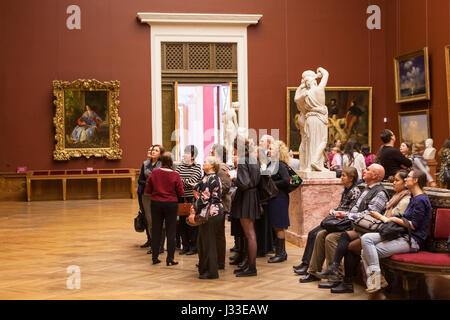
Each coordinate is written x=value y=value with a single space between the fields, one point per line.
x=80 y=174
x=412 y=267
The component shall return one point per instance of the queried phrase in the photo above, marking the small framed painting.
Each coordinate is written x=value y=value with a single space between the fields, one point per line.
x=412 y=76
x=414 y=126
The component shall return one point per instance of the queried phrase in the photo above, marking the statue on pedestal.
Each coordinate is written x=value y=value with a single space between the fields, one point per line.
x=230 y=129
x=429 y=152
x=313 y=120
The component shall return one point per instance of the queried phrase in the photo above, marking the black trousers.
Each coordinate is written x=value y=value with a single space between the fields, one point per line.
x=351 y=263
x=188 y=234
x=207 y=248
x=221 y=242
x=307 y=254
x=164 y=212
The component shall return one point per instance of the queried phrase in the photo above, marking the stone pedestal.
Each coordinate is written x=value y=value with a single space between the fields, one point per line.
x=309 y=204
x=317 y=174
x=432 y=164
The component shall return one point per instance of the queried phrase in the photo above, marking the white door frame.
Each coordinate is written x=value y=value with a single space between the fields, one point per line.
x=184 y=27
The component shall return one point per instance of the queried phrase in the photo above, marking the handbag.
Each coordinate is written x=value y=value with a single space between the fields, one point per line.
x=367 y=223
x=184 y=208
x=392 y=230
x=139 y=222
x=267 y=189
x=294 y=180
x=200 y=217
x=333 y=224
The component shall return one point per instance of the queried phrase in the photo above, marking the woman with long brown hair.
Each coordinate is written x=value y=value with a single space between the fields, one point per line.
x=152 y=162
x=246 y=204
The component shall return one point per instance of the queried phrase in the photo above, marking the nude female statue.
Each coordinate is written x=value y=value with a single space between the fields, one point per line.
x=313 y=119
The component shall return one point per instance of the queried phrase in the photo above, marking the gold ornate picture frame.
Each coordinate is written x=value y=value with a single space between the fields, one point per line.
x=87 y=120
x=349 y=115
x=447 y=66
x=412 y=78
x=414 y=126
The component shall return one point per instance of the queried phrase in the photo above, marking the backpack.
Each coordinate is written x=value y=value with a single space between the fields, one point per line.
x=294 y=180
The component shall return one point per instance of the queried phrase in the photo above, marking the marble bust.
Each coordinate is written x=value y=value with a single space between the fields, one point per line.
x=429 y=152
x=312 y=120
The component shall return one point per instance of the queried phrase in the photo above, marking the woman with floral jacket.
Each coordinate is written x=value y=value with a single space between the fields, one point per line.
x=208 y=192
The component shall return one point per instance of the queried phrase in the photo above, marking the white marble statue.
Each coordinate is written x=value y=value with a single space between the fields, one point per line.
x=429 y=152
x=230 y=130
x=313 y=120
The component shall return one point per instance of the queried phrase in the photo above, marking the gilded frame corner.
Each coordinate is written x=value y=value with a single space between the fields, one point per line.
x=63 y=152
x=418 y=97
x=447 y=66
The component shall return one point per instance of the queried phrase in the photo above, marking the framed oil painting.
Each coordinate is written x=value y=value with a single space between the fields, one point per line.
x=447 y=65
x=349 y=115
x=414 y=126
x=412 y=76
x=87 y=120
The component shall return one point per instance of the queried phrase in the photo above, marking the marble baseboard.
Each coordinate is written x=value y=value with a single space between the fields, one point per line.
x=309 y=204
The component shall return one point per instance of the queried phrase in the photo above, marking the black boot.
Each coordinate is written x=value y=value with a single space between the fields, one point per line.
x=242 y=254
x=149 y=239
x=248 y=272
x=280 y=252
x=332 y=272
x=242 y=266
x=343 y=288
x=147 y=244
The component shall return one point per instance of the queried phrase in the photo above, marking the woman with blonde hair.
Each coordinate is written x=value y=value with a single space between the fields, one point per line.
x=279 y=206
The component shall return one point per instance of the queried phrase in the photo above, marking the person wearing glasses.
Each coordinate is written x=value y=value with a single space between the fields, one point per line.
x=418 y=213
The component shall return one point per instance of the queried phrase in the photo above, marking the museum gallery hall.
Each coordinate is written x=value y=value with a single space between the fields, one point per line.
x=254 y=150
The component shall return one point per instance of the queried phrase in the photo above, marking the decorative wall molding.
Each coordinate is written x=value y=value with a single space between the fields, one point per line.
x=189 y=27
x=155 y=17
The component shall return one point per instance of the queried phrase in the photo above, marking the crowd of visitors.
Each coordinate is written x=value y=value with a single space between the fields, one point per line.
x=230 y=190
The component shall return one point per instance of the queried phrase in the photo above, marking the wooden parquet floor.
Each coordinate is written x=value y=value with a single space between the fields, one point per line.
x=40 y=240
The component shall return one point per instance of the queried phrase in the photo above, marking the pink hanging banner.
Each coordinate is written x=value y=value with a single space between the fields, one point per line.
x=208 y=118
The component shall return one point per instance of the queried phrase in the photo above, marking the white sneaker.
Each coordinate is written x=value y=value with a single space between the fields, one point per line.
x=373 y=282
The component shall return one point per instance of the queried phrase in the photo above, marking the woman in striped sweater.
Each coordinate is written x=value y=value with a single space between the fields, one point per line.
x=190 y=173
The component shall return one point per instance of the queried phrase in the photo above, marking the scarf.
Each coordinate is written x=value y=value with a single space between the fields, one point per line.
x=396 y=198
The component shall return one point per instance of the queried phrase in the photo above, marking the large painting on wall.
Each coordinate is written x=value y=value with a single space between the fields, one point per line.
x=349 y=115
x=412 y=76
x=86 y=121
x=414 y=126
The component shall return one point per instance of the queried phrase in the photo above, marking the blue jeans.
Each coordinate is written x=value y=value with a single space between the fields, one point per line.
x=374 y=248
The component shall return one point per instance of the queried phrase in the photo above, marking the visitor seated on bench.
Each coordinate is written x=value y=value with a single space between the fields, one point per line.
x=348 y=199
x=418 y=213
x=349 y=243
x=373 y=198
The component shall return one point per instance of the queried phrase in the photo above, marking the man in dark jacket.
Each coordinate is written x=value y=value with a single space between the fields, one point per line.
x=390 y=158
